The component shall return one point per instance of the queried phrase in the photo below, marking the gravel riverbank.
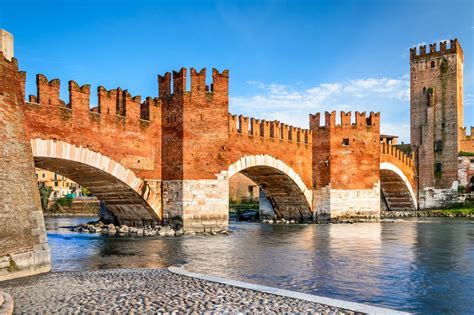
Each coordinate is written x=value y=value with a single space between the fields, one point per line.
x=145 y=290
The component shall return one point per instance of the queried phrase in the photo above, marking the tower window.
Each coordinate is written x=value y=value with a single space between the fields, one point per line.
x=438 y=167
x=438 y=145
x=345 y=141
x=432 y=64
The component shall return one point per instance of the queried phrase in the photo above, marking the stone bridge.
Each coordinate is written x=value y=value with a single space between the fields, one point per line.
x=168 y=159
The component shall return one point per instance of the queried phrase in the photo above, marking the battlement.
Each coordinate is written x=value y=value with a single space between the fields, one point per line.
x=394 y=152
x=464 y=135
x=177 y=80
x=276 y=130
x=116 y=102
x=417 y=53
x=346 y=122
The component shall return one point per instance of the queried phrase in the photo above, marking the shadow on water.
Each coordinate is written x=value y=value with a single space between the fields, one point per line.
x=424 y=266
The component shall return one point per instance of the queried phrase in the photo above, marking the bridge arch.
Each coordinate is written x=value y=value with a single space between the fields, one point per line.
x=127 y=196
x=284 y=188
x=396 y=188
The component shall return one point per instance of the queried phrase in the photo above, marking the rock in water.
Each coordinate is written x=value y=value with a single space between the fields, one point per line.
x=123 y=229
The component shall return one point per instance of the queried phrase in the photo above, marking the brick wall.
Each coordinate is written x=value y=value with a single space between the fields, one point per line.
x=116 y=129
x=292 y=145
x=195 y=123
x=436 y=112
x=23 y=244
x=467 y=141
x=346 y=164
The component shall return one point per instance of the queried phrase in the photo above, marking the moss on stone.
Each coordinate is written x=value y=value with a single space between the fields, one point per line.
x=12 y=267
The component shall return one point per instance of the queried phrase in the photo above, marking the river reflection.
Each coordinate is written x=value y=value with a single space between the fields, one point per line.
x=422 y=266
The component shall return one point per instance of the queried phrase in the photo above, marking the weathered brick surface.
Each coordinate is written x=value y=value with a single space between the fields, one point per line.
x=292 y=145
x=467 y=141
x=436 y=112
x=194 y=124
x=116 y=129
x=23 y=243
x=346 y=163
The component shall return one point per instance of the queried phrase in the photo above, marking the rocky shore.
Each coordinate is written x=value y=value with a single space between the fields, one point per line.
x=111 y=229
x=146 y=290
x=423 y=214
x=68 y=214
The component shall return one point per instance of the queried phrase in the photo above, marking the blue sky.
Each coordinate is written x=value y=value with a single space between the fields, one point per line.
x=286 y=58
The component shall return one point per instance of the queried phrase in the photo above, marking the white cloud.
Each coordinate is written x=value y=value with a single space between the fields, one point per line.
x=292 y=105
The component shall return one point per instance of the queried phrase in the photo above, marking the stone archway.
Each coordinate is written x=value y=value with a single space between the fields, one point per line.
x=286 y=191
x=127 y=196
x=396 y=188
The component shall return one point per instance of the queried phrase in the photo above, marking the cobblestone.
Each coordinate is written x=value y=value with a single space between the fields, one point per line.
x=145 y=290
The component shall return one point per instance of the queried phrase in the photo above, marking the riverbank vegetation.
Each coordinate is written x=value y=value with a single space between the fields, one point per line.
x=458 y=210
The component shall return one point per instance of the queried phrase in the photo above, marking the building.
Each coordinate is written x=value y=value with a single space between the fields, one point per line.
x=60 y=185
x=438 y=136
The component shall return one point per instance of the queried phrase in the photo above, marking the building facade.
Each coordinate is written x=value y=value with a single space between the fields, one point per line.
x=60 y=185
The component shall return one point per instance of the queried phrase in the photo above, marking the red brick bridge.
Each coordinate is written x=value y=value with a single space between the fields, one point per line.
x=169 y=158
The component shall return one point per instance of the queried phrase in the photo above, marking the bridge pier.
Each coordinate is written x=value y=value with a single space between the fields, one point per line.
x=340 y=204
x=24 y=247
x=265 y=208
x=197 y=205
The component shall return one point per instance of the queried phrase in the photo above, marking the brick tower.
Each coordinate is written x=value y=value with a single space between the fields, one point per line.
x=436 y=117
x=346 y=166
x=23 y=245
x=194 y=146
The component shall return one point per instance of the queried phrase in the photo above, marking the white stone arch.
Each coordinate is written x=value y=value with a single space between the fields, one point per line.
x=399 y=172
x=62 y=150
x=268 y=160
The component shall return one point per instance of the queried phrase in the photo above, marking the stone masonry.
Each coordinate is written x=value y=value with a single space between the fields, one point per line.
x=23 y=244
x=436 y=115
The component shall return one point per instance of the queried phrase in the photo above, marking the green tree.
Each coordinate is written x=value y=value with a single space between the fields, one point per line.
x=85 y=191
x=45 y=192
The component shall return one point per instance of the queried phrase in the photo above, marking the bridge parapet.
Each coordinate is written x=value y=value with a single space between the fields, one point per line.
x=405 y=162
x=121 y=126
x=114 y=102
x=398 y=178
x=361 y=120
x=177 y=80
x=390 y=153
x=275 y=130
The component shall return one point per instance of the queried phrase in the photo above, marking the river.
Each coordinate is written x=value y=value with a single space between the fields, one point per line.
x=422 y=265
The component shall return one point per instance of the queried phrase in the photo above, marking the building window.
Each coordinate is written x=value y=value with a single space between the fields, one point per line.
x=432 y=64
x=438 y=145
x=345 y=141
x=44 y=175
x=438 y=167
x=56 y=184
x=250 y=189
